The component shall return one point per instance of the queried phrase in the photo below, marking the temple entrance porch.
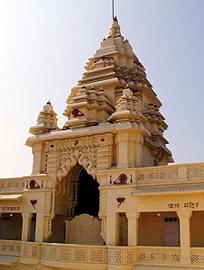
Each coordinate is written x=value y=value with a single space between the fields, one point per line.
x=76 y=206
x=158 y=229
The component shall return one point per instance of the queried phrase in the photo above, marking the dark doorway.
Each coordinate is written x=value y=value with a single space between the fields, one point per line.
x=10 y=226
x=87 y=195
x=123 y=230
x=31 y=236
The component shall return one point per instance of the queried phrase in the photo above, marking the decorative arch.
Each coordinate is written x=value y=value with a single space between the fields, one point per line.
x=72 y=159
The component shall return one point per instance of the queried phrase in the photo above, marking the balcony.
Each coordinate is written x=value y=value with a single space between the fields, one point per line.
x=18 y=184
x=92 y=257
x=176 y=174
x=172 y=174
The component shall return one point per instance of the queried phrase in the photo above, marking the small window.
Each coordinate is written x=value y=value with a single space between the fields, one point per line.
x=170 y=219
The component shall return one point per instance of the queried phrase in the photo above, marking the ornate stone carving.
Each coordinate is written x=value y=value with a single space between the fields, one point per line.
x=91 y=152
x=80 y=151
x=103 y=202
x=87 y=106
x=128 y=108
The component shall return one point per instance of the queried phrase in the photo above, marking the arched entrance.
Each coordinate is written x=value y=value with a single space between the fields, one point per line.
x=76 y=195
x=87 y=195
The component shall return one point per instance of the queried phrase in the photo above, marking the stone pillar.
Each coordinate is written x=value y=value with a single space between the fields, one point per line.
x=39 y=227
x=139 y=140
x=122 y=150
x=46 y=228
x=26 y=226
x=103 y=228
x=37 y=153
x=133 y=228
x=129 y=149
x=112 y=229
x=184 y=220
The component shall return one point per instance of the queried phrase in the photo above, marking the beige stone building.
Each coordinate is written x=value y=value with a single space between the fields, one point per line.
x=101 y=194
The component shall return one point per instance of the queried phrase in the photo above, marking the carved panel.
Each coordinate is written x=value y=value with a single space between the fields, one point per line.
x=48 y=202
x=91 y=152
x=103 y=202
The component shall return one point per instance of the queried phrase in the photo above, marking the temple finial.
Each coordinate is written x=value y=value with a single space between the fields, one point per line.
x=115 y=29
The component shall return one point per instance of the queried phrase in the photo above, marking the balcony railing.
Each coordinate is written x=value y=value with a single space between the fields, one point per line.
x=159 y=175
x=21 y=183
x=182 y=173
x=74 y=253
x=144 y=255
x=197 y=256
x=64 y=254
x=10 y=248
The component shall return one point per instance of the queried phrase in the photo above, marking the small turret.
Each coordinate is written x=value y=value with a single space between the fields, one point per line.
x=47 y=120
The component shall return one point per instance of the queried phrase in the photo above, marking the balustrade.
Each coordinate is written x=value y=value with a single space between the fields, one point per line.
x=10 y=248
x=158 y=255
x=197 y=256
x=31 y=252
x=156 y=175
x=21 y=183
x=170 y=174
x=74 y=253
x=143 y=255
x=195 y=171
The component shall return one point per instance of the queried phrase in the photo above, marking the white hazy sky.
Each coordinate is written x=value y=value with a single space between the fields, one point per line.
x=44 y=45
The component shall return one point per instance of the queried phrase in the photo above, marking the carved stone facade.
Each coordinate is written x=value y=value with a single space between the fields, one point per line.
x=104 y=175
x=92 y=152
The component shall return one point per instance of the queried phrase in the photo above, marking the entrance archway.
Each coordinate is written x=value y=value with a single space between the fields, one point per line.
x=87 y=195
x=76 y=194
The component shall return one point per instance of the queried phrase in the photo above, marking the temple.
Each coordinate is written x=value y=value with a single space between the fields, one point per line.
x=101 y=194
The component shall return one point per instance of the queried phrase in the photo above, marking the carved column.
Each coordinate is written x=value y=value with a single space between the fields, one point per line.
x=39 y=227
x=37 y=153
x=139 y=141
x=133 y=228
x=122 y=149
x=52 y=158
x=129 y=148
x=26 y=226
x=46 y=228
x=184 y=220
x=104 y=150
